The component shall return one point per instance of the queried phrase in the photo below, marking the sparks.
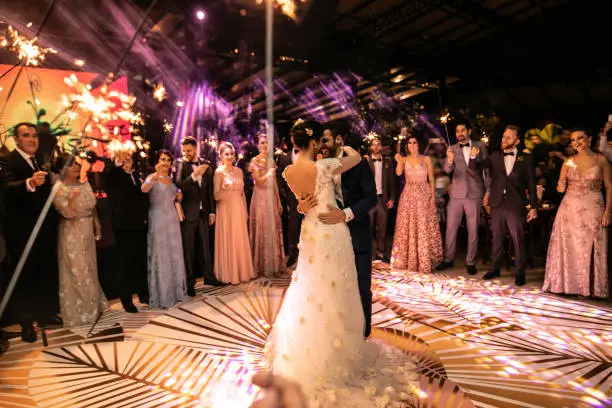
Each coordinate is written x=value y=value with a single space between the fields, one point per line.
x=159 y=93
x=26 y=50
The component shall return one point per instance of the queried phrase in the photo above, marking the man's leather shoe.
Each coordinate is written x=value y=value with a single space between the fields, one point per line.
x=4 y=343
x=471 y=270
x=52 y=320
x=28 y=334
x=492 y=274
x=191 y=292
x=130 y=308
x=444 y=266
x=520 y=278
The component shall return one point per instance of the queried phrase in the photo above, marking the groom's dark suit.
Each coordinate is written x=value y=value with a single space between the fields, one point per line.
x=359 y=194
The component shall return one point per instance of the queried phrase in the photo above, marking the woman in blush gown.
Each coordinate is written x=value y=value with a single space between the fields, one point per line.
x=317 y=339
x=80 y=293
x=266 y=231
x=167 y=277
x=233 y=259
x=578 y=241
x=417 y=244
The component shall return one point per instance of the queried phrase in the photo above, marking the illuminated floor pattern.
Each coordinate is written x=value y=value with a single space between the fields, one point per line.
x=478 y=344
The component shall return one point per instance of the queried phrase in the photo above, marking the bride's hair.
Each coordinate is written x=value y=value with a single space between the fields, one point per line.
x=302 y=134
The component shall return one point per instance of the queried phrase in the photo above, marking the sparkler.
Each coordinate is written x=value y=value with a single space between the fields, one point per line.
x=27 y=50
x=288 y=7
x=109 y=105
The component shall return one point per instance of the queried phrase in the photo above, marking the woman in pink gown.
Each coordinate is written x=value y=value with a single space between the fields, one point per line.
x=417 y=244
x=578 y=241
x=233 y=262
x=265 y=223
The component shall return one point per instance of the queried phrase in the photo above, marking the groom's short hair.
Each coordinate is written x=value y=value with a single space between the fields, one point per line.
x=189 y=140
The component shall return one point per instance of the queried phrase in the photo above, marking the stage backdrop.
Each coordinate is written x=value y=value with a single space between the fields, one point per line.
x=49 y=86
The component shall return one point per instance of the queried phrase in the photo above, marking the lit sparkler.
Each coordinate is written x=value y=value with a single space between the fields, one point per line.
x=570 y=163
x=444 y=118
x=159 y=93
x=107 y=106
x=288 y=7
x=26 y=50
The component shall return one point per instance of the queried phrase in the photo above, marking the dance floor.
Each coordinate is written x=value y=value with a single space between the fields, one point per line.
x=477 y=344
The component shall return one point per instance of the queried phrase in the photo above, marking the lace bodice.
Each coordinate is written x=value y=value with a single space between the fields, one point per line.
x=580 y=184
x=415 y=174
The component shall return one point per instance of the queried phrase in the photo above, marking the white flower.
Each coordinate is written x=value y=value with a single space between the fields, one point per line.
x=382 y=401
x=331 y=395
x=390 y=391
x=372 y=372
x=370 y=390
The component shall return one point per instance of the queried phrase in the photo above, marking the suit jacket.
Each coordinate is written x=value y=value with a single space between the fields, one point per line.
x=195 y=196
x=359 y=194
x=520 y=179
x=23 y=207
x=389 y=186
x=282 y=161
x=129 y=205
x=467 y=182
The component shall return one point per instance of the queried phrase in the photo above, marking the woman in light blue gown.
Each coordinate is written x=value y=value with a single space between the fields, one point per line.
x=167 y=278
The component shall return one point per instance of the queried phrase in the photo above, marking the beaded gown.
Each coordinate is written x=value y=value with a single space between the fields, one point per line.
x=578 y=239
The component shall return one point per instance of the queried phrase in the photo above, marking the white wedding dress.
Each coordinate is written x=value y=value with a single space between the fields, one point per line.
x=317 y=338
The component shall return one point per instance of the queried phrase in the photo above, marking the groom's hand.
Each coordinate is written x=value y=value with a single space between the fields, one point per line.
x=333 y=216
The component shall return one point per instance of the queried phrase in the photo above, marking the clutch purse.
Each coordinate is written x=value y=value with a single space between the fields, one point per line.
x=179 y=211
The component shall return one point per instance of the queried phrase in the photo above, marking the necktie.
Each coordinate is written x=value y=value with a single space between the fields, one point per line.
x=376 y=160
x=508 y=154
x=35 y=163
x=464 y=145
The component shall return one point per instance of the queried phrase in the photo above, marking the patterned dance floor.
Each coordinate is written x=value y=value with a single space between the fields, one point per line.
x=477 y=343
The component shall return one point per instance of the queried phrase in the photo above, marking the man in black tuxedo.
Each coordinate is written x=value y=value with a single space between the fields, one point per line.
x=27 y=188
x=356 y=196
x=194 y=176
x=512 y=173
x=386 y=191
x=290 y=216
x=129 y=206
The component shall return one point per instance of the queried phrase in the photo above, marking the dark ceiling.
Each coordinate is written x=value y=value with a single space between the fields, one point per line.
x=526 y=59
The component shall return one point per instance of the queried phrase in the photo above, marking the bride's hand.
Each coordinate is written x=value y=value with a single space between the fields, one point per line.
x=307 y=203
x=279 y=392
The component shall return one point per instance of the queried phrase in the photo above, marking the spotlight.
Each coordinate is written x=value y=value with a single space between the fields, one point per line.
x=200 y=15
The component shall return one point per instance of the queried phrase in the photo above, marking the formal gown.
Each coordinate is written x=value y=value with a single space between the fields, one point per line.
x=265 y=225
x=167 y=277
x=317 y=337
x=81 y=296
x=417 y=244
x=578 y=243
x=233 y=259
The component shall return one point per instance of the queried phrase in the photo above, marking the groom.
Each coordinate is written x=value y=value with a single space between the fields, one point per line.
x=356 y=196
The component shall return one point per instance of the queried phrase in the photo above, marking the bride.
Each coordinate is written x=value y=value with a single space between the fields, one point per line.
x=317 y=338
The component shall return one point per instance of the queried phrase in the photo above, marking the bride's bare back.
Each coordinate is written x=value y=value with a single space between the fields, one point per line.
x=302 y=178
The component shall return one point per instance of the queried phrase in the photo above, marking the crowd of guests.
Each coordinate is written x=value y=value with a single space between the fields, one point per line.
x=237 y=221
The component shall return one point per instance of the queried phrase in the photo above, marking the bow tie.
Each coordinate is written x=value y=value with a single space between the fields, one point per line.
x=508 y=154
x=376 y=160
x=464 y=145
x=194 y=163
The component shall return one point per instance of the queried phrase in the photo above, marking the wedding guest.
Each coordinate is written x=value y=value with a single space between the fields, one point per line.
x=233 y=260
x=167 y=279
x=578 y=241
x=129 y=209
x=26 y=189
x=467 y=190
x=194 y=177
x=384 y=177
x=81 y=297
x=417 y=244
x=266 y=233
x=512 y=174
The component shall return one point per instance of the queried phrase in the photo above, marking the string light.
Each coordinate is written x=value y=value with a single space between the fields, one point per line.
x=26 y=50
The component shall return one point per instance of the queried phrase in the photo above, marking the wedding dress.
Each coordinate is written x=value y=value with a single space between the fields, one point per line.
x=317 y=338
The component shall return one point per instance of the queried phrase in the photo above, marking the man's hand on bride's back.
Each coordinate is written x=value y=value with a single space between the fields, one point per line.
x=306 y=203
x=332 y=216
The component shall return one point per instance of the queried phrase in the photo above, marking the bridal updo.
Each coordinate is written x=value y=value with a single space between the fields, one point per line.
x=302 y=134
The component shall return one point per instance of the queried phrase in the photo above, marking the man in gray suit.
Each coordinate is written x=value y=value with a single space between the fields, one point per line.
x=468 y=188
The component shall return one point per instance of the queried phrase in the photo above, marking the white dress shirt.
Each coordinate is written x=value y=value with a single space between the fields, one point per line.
x=378 y=175
x=28 y=160
x=509 y=161
x=349 y=216
x=467 y=151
